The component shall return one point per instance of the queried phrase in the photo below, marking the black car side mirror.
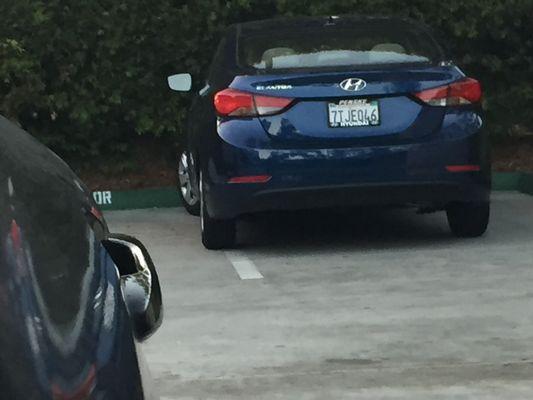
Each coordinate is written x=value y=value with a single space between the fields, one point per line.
x=140 y=283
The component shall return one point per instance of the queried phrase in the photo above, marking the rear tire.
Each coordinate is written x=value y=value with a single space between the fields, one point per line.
x=187 y=192
x=217 y=234
x=468 y=220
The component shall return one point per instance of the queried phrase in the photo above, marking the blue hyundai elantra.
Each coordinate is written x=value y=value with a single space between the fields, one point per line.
x=315 y=112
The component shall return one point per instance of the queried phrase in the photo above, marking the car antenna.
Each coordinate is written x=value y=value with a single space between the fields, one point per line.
x=332 y=19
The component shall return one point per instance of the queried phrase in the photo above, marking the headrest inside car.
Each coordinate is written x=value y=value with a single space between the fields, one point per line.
x=389 y=48
x=271 y=54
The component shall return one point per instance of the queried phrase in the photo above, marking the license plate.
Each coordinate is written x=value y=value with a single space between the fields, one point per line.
x=351 y=113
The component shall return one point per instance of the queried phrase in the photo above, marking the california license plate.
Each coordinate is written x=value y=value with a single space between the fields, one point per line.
x=352 y=113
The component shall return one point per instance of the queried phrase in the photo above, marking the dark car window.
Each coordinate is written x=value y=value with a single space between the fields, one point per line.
x=218 y=59
x=223 y=68
x=364 y=44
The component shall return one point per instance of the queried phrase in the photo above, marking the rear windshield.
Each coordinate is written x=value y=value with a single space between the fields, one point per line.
x=338 y=47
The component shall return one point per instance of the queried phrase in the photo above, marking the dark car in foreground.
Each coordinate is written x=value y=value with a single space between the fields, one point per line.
x=75 y=300
x=333 y=111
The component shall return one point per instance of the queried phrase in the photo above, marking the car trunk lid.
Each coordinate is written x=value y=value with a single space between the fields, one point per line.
x=374 y=104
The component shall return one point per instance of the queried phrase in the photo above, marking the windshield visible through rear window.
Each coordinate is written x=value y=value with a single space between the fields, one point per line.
x=338 y=47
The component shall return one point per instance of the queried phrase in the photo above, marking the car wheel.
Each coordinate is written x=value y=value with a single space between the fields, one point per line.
x=468 y=219
x=216 y=233
x=188 y=195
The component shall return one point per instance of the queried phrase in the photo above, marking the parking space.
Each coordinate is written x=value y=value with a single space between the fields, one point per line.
x=343 y=305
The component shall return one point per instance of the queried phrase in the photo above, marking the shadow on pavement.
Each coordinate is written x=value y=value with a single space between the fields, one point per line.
x=343 y=229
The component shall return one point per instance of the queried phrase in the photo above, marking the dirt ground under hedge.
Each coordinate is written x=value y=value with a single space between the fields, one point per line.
x=516 y=156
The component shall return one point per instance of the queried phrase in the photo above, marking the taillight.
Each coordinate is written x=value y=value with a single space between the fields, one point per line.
x=467 y=91
x=234 y=103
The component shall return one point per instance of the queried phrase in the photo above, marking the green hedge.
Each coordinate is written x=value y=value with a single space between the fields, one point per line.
x=88 y=76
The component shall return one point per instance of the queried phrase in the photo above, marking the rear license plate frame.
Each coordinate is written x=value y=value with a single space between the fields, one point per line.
x=350 y=106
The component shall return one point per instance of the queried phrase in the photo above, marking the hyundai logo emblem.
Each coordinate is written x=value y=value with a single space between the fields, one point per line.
x=353 y=84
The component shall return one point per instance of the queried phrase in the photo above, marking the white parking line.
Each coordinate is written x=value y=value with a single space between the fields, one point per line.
x=245 y=268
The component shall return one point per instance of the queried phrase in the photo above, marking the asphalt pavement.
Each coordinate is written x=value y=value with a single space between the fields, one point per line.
x=344 y=304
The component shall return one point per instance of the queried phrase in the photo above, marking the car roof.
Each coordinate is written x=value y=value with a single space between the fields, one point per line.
x=32 y=177
x=22 y=153
x=31 y=167
x=305 y=22
x=39 y=193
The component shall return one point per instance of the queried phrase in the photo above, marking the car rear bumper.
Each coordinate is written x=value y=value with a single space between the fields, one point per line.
x=229 y=202
x=416 y=174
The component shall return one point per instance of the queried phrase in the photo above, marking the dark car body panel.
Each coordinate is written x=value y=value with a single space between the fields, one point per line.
x=401 y=161
x=65 y=330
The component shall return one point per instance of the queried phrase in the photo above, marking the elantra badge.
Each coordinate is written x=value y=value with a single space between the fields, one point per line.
x=274 y=87
x=353 y=84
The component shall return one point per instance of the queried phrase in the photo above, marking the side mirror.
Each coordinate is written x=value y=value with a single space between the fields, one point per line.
x=140 y=283
x=180 y=82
